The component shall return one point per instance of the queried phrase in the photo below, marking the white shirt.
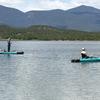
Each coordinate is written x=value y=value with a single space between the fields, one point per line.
x=83 y=52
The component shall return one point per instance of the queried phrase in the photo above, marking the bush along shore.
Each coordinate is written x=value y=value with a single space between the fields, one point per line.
x=43 y=32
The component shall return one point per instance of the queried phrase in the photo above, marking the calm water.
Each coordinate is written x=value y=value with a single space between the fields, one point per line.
x=45 y=72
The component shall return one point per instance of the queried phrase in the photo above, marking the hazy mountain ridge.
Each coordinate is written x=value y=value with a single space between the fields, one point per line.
x=83 y=18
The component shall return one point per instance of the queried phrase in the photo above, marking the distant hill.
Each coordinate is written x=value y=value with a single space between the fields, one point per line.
x=84 y=18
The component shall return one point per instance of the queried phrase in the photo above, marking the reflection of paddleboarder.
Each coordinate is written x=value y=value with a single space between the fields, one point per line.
x=9 y=44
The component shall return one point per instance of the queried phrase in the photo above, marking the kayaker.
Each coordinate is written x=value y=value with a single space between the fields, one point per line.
x=83 y=53
x=9 y=44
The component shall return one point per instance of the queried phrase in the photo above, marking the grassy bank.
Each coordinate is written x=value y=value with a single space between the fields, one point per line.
x=46 y=33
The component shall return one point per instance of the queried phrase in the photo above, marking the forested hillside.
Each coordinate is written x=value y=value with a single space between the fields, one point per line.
x=45 y=33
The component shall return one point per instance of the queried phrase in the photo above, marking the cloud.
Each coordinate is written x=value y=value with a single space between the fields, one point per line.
x=94 y=3
x=50 y=4
x=26 y=5
x=10 y=1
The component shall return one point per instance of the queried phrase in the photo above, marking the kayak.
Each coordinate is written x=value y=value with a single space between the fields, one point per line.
x=90 y=59
x=20 y=52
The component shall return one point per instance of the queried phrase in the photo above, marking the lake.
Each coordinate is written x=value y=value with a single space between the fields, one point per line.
x=45 y=71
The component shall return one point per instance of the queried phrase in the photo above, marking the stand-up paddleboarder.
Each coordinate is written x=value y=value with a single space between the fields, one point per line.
x=9 y=44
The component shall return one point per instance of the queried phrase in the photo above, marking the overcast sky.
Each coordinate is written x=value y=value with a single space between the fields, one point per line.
x=27 y=5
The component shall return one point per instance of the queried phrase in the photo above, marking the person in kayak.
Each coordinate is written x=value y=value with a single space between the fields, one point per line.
x=83 y=53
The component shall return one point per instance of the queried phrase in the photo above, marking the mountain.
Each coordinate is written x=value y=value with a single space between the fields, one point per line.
x=84 y=18
x=12 y=17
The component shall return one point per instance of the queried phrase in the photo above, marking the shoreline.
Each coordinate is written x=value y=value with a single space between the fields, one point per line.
x=45 y=40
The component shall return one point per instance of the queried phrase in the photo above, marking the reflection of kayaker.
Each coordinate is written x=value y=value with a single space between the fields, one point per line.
x=9 y=44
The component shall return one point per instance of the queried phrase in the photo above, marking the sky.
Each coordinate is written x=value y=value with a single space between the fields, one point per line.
x=27 y=5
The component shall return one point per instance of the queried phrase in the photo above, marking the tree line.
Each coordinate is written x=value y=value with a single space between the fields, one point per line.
x=43 y=32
